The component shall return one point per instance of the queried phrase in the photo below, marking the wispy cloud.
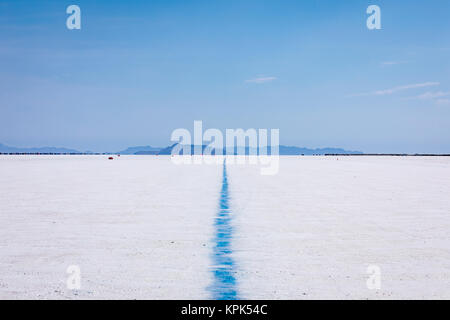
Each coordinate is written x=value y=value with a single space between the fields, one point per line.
x=261 y=80
x=432 y=95
x=392 y=63
x=396 y=89
x=438 y=97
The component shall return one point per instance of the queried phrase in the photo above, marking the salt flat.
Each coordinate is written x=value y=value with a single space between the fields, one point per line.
x=141 y=227
x=138 y=227
x=312 y=230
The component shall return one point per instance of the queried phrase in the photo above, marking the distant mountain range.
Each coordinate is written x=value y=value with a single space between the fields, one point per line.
x=149 y=150
x=7 y=149
x=289 y=150
x=137 y=150
x=283 y=150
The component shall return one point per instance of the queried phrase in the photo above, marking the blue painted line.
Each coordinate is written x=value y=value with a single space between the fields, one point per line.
x=224 y=285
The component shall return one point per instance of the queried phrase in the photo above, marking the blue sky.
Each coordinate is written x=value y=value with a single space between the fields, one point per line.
x=137 y=70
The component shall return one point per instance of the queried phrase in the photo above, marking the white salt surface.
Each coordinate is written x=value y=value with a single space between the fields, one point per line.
x=311 y=231
x=142 y=227
x=138 y=227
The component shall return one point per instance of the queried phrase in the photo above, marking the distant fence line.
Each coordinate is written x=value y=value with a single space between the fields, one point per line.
x=318 y=154
x=392 y=154
x=51 y=153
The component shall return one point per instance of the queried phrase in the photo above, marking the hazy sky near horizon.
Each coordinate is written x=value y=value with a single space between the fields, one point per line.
x=137 y=70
